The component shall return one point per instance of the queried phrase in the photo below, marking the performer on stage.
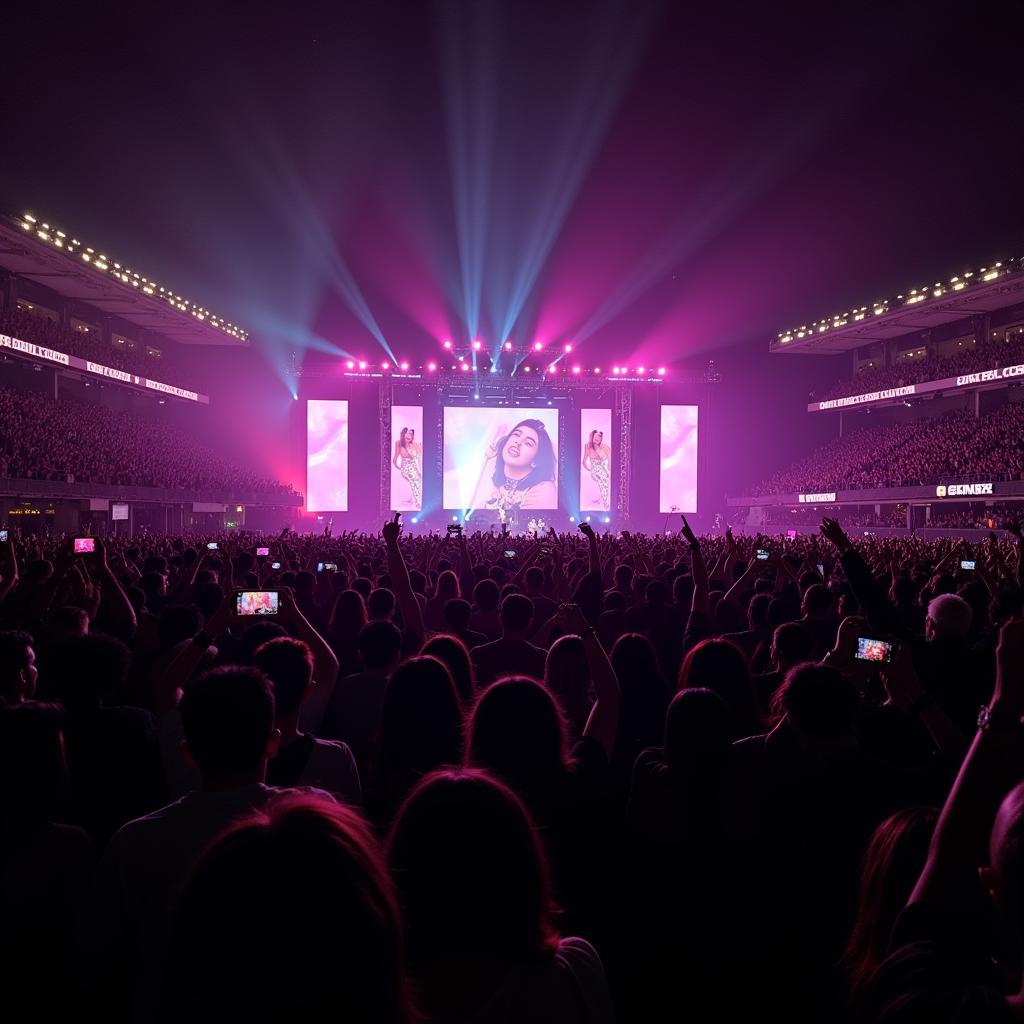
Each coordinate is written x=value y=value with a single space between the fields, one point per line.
x=523 y=474
x=407 y=461
x=596 y=456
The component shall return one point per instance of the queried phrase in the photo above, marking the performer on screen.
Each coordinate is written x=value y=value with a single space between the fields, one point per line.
x=407 y=462
x=523 y=474
x=596 y=456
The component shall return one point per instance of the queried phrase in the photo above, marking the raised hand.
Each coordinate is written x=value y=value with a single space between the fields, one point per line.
x=392 y=529
x=587 y=530
x=835 y=534
x=688 y=533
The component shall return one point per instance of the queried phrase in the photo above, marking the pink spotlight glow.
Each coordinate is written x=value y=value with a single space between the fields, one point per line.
x=639 y=369
x=404 y=365
x=527 y=370
x=661 y=371
x=448 y=345
x=575 y=369
x=385 y=365
x=465 y=366
x=552 y=368
x=362 y=364
x=567 y=347
x=615 y=370
x=476 y=346
x=350 y=365
x=431 y=367
x=537 y=346
x=597 y=369
x=508 y=346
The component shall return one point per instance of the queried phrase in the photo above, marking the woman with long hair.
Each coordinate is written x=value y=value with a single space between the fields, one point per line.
x=407 y=461
x=719 y=665
x=892 y=864
x=420 y=730
x=596 y=458
x=473 y=883
x=524 y=470
x=290 y=914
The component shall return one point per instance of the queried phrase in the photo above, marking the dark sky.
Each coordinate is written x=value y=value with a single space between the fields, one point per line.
x=653 y=181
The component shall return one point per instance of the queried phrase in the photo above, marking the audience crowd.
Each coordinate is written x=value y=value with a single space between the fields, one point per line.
x=611 y=777
x=973 y=358
x=957 y=446
x=41 y=330
x=43 y=439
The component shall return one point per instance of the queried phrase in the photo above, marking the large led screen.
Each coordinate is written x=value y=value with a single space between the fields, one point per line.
x=678 y=466
x=407 y=458
x=326 y=455
x=596 y=460
x=500 y=459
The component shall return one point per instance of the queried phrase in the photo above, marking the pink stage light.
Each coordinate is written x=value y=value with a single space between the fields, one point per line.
x=476 y=346
x=567 y=347
x=465 y=366
x=575 y=369
x=448 y=345
x=508 y=346
x=527 y=370
x=537 y=346
x=350 y=365
x=552 y=368
x=639 y=369
x=362 y=364
x=597 y=369
x=385 y=365
x=431 y=367
x=615 y=370
x=404 y=365
x=661 y=371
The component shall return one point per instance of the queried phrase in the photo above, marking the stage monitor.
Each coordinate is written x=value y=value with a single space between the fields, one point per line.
x=407 y=450
x=118 y=513
x=500 y=458
x=678 y=465
x=326 y=455
x=596 y=461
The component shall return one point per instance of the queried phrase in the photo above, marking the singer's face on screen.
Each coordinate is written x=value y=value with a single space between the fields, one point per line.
x=598 y=438
x=521 y=447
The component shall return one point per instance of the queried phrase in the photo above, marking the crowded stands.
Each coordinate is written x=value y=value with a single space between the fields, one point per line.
x=43 y=439
x=89 y=344
x=921 y=451
x=611 y=777
x=973 y=358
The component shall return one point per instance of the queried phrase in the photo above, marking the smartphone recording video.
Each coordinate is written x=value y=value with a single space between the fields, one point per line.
x=85 y=545
x=762 y=555
x=257 y=602
x=275 y=565
x=870 y=649
x=967 y=564
x=212 y=546
x=262 y=552
x=510 y=554
x=3 y=536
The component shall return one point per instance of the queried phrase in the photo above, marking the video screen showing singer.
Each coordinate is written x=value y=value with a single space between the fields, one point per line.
x=596 y=460
x=519 y=469
x=408 y=460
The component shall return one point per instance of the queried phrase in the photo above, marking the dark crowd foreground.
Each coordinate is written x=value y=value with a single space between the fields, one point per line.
x=574 y=778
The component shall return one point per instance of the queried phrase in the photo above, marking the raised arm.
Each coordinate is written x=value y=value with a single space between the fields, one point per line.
x=595 y=556
x=990 y=770
x=603 y=721
x=115 y=608
x=412 y=613
x=10 y=577
x=701 y=603
x=325 y=664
